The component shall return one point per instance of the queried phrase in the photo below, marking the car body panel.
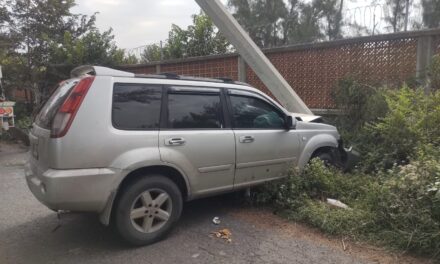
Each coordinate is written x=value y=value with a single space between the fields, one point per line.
x=269 y=155
x=207 y=157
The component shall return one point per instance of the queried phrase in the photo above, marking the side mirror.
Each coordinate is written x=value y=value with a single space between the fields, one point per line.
x=290 y=122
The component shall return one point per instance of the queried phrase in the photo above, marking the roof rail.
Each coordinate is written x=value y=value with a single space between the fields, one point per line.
x=104 y=71
x=175 y=76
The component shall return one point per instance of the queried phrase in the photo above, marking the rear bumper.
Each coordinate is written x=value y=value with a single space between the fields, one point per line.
x=82 y=190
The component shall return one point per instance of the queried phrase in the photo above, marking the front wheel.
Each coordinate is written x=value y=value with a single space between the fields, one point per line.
x=147 y=209
x=326 y=158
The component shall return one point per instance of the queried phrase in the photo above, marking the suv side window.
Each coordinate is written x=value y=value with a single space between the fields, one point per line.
x=136 y=106
x=249 y=112
x=193 y=110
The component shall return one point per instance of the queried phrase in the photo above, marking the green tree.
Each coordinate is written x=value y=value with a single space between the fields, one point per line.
x=48 y=41
x=37 y=25
x=269 y=16
x=396 y=17
x=431 y=13
x=264 y=20
x=93 y=47
x=151 y=53
x=275 y=23
x=204 y=38
x=199 y=39
x=308 y=29
x=331 y=14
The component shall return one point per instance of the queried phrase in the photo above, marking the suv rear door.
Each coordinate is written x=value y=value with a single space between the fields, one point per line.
x=40 y=134
x=195 y=137
x=264 y=147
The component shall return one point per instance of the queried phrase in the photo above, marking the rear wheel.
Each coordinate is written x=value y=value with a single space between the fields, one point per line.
x=147 y=210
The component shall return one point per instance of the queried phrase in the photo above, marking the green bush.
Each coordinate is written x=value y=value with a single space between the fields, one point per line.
x=399 y=208
x=24 y=123
x=434 y=72
x=360 y=103
x=411 y=122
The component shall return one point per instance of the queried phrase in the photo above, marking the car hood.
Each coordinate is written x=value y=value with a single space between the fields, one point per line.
x=307 y=118
x=306 y=121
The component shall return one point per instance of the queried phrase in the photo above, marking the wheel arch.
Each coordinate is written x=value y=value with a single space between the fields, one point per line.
x=170 y=172
x=316 y=145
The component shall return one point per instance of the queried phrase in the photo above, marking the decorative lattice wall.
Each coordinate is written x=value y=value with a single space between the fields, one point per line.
x=313 y=70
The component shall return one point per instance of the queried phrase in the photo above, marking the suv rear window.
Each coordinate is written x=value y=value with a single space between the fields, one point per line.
x=50 y=108
x=136 y=106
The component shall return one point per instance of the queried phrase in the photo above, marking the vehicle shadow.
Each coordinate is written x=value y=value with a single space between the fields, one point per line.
x=82 y=236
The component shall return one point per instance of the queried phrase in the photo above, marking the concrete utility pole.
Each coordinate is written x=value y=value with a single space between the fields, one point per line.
x=253 y=56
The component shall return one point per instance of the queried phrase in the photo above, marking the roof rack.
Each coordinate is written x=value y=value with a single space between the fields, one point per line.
x=174 y=76
x=104 y=71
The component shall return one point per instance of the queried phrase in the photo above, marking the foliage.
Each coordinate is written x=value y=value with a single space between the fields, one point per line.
x=93 y=48
x=409 y=208
x=275 y=23
x=24 y=123
x=434 y=72
x=399 y=208
x=396 y=18
x=199 y=39
x=35 y=25
x=410 y=123
x=360 y=104
x=152 y=53
x=45 y=40
x=386 y=125
x=431 y=13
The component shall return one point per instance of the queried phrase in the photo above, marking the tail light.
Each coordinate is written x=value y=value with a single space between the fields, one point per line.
x=66 y=113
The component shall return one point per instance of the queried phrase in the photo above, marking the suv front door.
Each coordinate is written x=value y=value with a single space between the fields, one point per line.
x=194 y=137
x=264 y=147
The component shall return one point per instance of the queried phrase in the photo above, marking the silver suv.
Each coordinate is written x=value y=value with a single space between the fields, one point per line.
x=133 y=148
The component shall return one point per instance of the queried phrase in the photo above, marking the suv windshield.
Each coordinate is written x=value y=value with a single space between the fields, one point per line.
x=50 y=108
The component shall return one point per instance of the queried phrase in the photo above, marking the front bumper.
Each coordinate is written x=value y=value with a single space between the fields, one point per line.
x=347 y=157
x=80 y=190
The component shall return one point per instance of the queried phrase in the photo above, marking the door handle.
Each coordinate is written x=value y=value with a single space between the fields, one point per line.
x=247 y=139
x=175 y=141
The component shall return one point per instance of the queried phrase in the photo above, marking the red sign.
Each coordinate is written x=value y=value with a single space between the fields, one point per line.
x=7 y=111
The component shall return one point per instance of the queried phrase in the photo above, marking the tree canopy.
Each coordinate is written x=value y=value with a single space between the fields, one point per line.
x=278 y=22
x=45 y=40
x=199 y=39
x=431 y=13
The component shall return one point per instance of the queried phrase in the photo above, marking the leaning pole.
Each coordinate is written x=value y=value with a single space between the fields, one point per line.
x=253 y=56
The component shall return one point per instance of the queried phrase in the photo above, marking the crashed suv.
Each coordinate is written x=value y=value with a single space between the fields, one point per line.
x=132 y=148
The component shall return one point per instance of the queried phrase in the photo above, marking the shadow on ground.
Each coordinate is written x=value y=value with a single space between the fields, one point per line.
x=74 y=237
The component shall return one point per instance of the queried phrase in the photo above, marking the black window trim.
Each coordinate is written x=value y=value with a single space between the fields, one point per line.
x=249 y=94
x=194 y=90
x=137 y=129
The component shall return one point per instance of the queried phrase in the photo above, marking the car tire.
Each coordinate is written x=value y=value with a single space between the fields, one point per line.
x=147 y=209
x=326 y=158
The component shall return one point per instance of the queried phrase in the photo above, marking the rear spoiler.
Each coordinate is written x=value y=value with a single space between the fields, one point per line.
x=98 y=71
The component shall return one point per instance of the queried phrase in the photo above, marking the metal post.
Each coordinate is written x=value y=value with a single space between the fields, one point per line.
x=161 y=51
x=425 y=52
x=253 y=56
